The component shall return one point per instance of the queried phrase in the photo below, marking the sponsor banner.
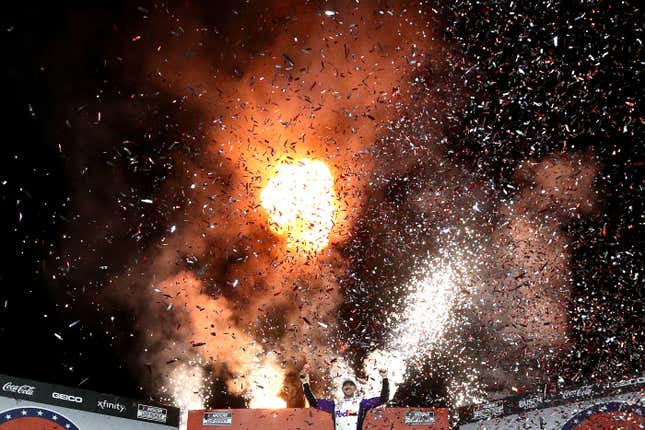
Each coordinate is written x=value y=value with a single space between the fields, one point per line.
x=85 y=400
x=406 y=419
x=152 y=413
x=217 y=418
x=622 y=411
x=580 y=408
x=520 y=404
x=314 y=419
x=419 y=418
x=260 y=419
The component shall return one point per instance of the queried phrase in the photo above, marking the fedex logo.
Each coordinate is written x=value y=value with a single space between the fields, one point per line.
x=347 y=413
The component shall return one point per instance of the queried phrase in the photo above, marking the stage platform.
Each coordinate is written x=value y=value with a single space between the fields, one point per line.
x=313 y=419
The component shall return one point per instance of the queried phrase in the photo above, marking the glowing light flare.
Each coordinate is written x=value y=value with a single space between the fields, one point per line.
x=428 y=308
x=395 y=362
x=300 y=201
x=266 y=382
x=467 y=391
x=185 y=386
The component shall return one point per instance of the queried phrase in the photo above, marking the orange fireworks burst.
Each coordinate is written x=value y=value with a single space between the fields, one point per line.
x=292 y=129
x=300 y=202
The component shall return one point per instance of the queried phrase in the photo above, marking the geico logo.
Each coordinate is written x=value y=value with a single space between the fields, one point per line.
x=67 y=397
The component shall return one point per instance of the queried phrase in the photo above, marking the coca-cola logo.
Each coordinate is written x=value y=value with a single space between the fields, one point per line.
x=27 y=390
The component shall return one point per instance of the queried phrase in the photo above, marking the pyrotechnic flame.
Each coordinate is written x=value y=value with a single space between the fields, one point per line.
x=300 y=201
x=185 y=387
x=266 y=384
x=467 y=391
x=421 y=325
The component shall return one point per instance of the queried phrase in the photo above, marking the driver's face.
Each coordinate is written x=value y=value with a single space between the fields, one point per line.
x=349 y=390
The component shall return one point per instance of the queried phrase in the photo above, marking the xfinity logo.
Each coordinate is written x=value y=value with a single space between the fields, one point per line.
x=27 y=390
x=67 y=397
x=115 y=406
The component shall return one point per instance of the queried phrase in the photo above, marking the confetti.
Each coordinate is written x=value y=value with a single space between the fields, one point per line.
x=452 y=191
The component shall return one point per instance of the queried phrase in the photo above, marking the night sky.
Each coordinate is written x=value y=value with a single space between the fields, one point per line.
x=494 y=148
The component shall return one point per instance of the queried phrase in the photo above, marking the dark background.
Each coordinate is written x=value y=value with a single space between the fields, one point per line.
x=53 y=66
